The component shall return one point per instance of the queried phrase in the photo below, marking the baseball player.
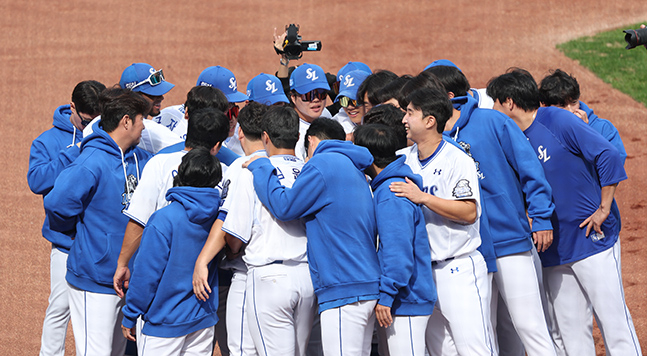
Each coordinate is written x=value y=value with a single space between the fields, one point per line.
x=161 y=293
x=351 y=113
x=223 y=79
x=502 y=154
x=280 y=301
x=88 y=198
x=584 y=170
x=176 y=117
x=331 y=193
x=239 y=340
x=266 y=89
x=451 y=206
x=144 y=79
x=309 y=94
x=50 y=153
x=367 y=93
x=484 y=101
x=407 y=289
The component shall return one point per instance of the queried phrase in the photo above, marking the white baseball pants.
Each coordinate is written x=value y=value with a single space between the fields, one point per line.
x=348 y=330
x=57 y=316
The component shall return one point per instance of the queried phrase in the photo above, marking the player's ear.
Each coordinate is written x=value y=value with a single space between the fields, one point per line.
x=451 y=95
x=125 y=122
x=215 y=149
x=265 y=138
x=186 y=113
x=431 y=121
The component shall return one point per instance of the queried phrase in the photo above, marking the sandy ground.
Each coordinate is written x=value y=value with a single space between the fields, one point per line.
x=49 y=46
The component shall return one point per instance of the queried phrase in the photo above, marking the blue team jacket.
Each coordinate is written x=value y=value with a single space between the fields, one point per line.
x=88 y=198
x=512 y=179
x=50 y=153
x=407 y=282
x=333 y=197
x=578 y=161
x=161 y=287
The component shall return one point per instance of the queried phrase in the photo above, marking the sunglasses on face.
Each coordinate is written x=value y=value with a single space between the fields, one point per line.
x=345 y=102
x=154 y=79
x=314 y=94
x=84 y=121
x=232 y=112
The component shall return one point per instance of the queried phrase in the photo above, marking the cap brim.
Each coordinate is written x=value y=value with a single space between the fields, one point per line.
x=236 y=97
x=157 y=90
x=312 y=86
x=347 y=93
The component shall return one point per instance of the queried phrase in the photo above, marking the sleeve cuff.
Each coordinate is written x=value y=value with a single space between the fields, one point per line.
x=385 y=300
x=541 y=224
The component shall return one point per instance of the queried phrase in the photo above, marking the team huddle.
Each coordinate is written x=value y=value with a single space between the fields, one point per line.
x=413 y=215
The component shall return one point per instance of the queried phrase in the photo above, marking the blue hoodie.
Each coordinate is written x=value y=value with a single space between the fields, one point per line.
x=512 y=179
x=50 y=153
x=407 y=282
x=88 y=199
x=332 y=194
x=161 y=288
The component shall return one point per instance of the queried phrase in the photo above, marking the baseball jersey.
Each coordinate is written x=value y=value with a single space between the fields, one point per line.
x=300 y=150
x=578 y=161
x=448 y=174
x=230 y=188
x=268 y=239
x=342 y=118
x=172 y=117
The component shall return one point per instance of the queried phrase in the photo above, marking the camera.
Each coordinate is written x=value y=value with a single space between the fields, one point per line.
x=293 y=46
x=635 y=38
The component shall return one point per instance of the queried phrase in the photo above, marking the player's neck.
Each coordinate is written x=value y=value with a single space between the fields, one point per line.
x=250 y=147
x=273 y=151
x=429 y=145
x=525 y=119
x=452 y=120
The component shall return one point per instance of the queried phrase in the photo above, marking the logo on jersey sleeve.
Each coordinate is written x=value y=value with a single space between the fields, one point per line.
x=462 y=189
x=468 y=149
x=225 y=189
x=129 y=189
x=543 y=154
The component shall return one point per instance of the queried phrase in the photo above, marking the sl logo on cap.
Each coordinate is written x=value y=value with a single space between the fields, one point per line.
x=348 y=81
x=312 y=75
x=270 y=86
x=232 y=84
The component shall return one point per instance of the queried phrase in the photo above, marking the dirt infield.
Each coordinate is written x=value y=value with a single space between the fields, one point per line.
x=49 y=46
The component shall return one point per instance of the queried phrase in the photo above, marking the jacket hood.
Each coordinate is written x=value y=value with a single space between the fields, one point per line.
x=360 y=156
x=466 y=105
x=396 y=169
x=62 y=119
x=200 y=204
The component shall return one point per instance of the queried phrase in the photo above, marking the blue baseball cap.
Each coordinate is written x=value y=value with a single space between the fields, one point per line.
x=223 y=79
x=308 y=77
x=442 y=62
x=350 y=83
x=266 y=89
x=137 y=77
x=351 y=66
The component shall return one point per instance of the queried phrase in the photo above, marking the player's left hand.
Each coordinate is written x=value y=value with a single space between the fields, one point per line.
x=408 y=190
x=542 y=239
x=595 y=221
x=383 y=315
x=246 y=164
x=128 y=333
x=582 y=115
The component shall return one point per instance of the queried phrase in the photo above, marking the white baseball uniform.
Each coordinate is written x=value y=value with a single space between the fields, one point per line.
x=172 y=117
x=280 y=301
x=459 y=269
x=155 y=137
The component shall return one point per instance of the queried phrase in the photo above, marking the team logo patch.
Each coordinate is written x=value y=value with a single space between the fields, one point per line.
x=225 y=189
x=462 y=189
x=468 y=149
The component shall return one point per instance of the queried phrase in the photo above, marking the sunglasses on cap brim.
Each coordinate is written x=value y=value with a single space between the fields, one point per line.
x=154 y=79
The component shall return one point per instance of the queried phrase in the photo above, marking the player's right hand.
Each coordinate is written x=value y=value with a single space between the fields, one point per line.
x=120 y=280
x=128 y=333
x=201 y=287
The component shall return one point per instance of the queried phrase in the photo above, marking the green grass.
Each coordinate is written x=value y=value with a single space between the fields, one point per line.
x=605 y=55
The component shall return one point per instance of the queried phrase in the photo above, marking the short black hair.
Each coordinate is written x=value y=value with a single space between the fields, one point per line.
x=452 y=79
x=434 y=102
x=250 y=120
x=518 y=85
x=380 y=140
x=85 y=97
x=389 y=115
x=420 y=81
x=198 y=169
x=393 y=90
x=282 y=126
x=206 y=128
x=115 y=103
x=372 y=85
x=559 y=89
x=201 y=96
x=324 y=129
